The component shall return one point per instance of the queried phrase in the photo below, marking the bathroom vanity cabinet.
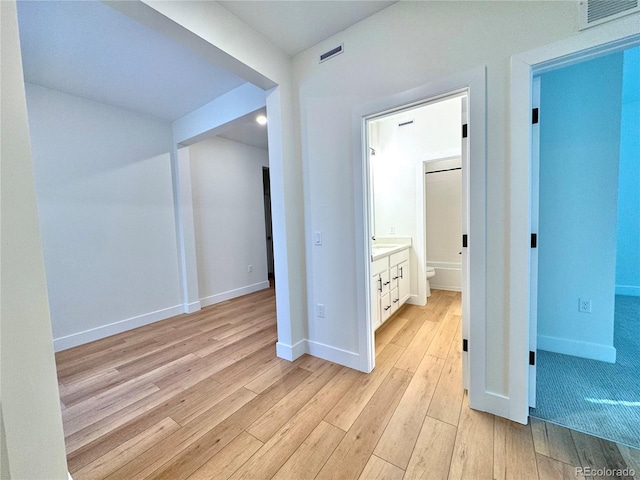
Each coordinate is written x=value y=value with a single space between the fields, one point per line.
x=390 y=284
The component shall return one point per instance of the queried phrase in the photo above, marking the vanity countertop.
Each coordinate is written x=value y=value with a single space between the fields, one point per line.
x=379 y=251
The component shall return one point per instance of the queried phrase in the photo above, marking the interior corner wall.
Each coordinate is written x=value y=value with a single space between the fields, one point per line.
x=628 y=233
x=33 y=443
x=580 y=116
x=105 y=201
x=405 y=46
x=212 y=23
x=229 y=221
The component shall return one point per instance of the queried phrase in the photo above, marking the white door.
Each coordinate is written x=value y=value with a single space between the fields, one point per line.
x=533 y=259
x=466 y=131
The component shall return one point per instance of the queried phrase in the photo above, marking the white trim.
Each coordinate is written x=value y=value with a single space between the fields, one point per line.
x=499 y=404
x=628 y=290
x=474 y=83
x=69 y=476
x=333 y=354
x=415 y=300
x=448 y=288
x=192 y=307
x=613 y=36
x=445 y=265
x=86 y=336
x=291 y=352
x=320 y=350
x=565 y=346
x=237 y=292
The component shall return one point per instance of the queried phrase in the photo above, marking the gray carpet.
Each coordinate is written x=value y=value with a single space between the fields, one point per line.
x=597 y=398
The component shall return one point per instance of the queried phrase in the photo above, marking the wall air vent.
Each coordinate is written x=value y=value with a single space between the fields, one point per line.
x=332 y=53
x=596 y=12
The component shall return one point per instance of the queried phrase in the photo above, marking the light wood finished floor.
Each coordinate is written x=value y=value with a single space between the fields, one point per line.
x=203 y=396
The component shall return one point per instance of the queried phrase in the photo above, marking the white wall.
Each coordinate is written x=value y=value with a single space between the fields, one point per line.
x=228 y=209
x=628 y=225
x=443 y=198
x=105 y=202
x=407 y=45
x=580 y=113
x=30 y=401
x=211 y=23
x=397 y=169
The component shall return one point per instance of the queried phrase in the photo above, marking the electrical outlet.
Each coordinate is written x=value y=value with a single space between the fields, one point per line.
x=584 y=305
x=320 y=309
x=250 y=268
x=392 y=230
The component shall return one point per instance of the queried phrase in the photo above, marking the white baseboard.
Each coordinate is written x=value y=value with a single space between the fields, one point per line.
x=103 y=331
x=593 y=351
x=320 y=350
x=450 y=288
x=69 y=475
x=291 y=352
x=192 y=307
x=238 y=292
x=415 y=300
x=335 y=355
x=628 y=290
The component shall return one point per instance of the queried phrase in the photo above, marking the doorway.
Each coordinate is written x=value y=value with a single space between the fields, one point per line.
x=400 y=145
x=266 y=189
x=585 y=311
x=615 y=36
x=478 y=350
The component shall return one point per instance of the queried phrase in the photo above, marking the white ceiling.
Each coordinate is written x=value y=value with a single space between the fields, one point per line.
x=92 y=51
x=295 y=25
x=246 y=130
x=88 y=49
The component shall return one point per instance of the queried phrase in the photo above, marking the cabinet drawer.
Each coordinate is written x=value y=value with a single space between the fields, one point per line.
x=379 y=266
x=399 y=257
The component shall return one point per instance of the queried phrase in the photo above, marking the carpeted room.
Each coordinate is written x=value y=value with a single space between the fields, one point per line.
x=588 y=363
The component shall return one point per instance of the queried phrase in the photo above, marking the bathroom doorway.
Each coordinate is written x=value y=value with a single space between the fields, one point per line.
x=405 y=147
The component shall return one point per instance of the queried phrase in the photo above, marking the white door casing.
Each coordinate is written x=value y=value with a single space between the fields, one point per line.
x=474 y=83
x=534 y=219
x=601 y=40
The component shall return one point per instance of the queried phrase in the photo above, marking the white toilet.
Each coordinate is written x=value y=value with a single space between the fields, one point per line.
x=430 y=273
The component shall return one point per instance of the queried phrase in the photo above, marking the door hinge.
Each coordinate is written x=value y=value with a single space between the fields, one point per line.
x=465 y=240
x=465 y=345
x=535 y=116
x=532 y=358
x=464 y=131
x=534 y=240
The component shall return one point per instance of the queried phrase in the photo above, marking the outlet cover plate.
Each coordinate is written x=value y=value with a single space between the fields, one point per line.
x=584 y=305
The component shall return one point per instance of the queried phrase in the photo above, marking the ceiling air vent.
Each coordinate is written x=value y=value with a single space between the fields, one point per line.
x=595 y=12
x=333 y=52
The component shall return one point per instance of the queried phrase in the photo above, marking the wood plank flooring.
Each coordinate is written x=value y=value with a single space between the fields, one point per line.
x=203 y=396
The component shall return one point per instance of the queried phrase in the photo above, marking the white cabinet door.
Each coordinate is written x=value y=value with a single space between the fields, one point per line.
x=386 y=282
x=404 y=282
x=393 y=274
x=376 y=288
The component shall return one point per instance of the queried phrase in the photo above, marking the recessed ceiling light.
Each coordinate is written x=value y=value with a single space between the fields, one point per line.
x=261 y=119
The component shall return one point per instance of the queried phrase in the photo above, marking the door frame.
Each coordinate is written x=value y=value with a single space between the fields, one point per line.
x=608 y=38
x=474 y=82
